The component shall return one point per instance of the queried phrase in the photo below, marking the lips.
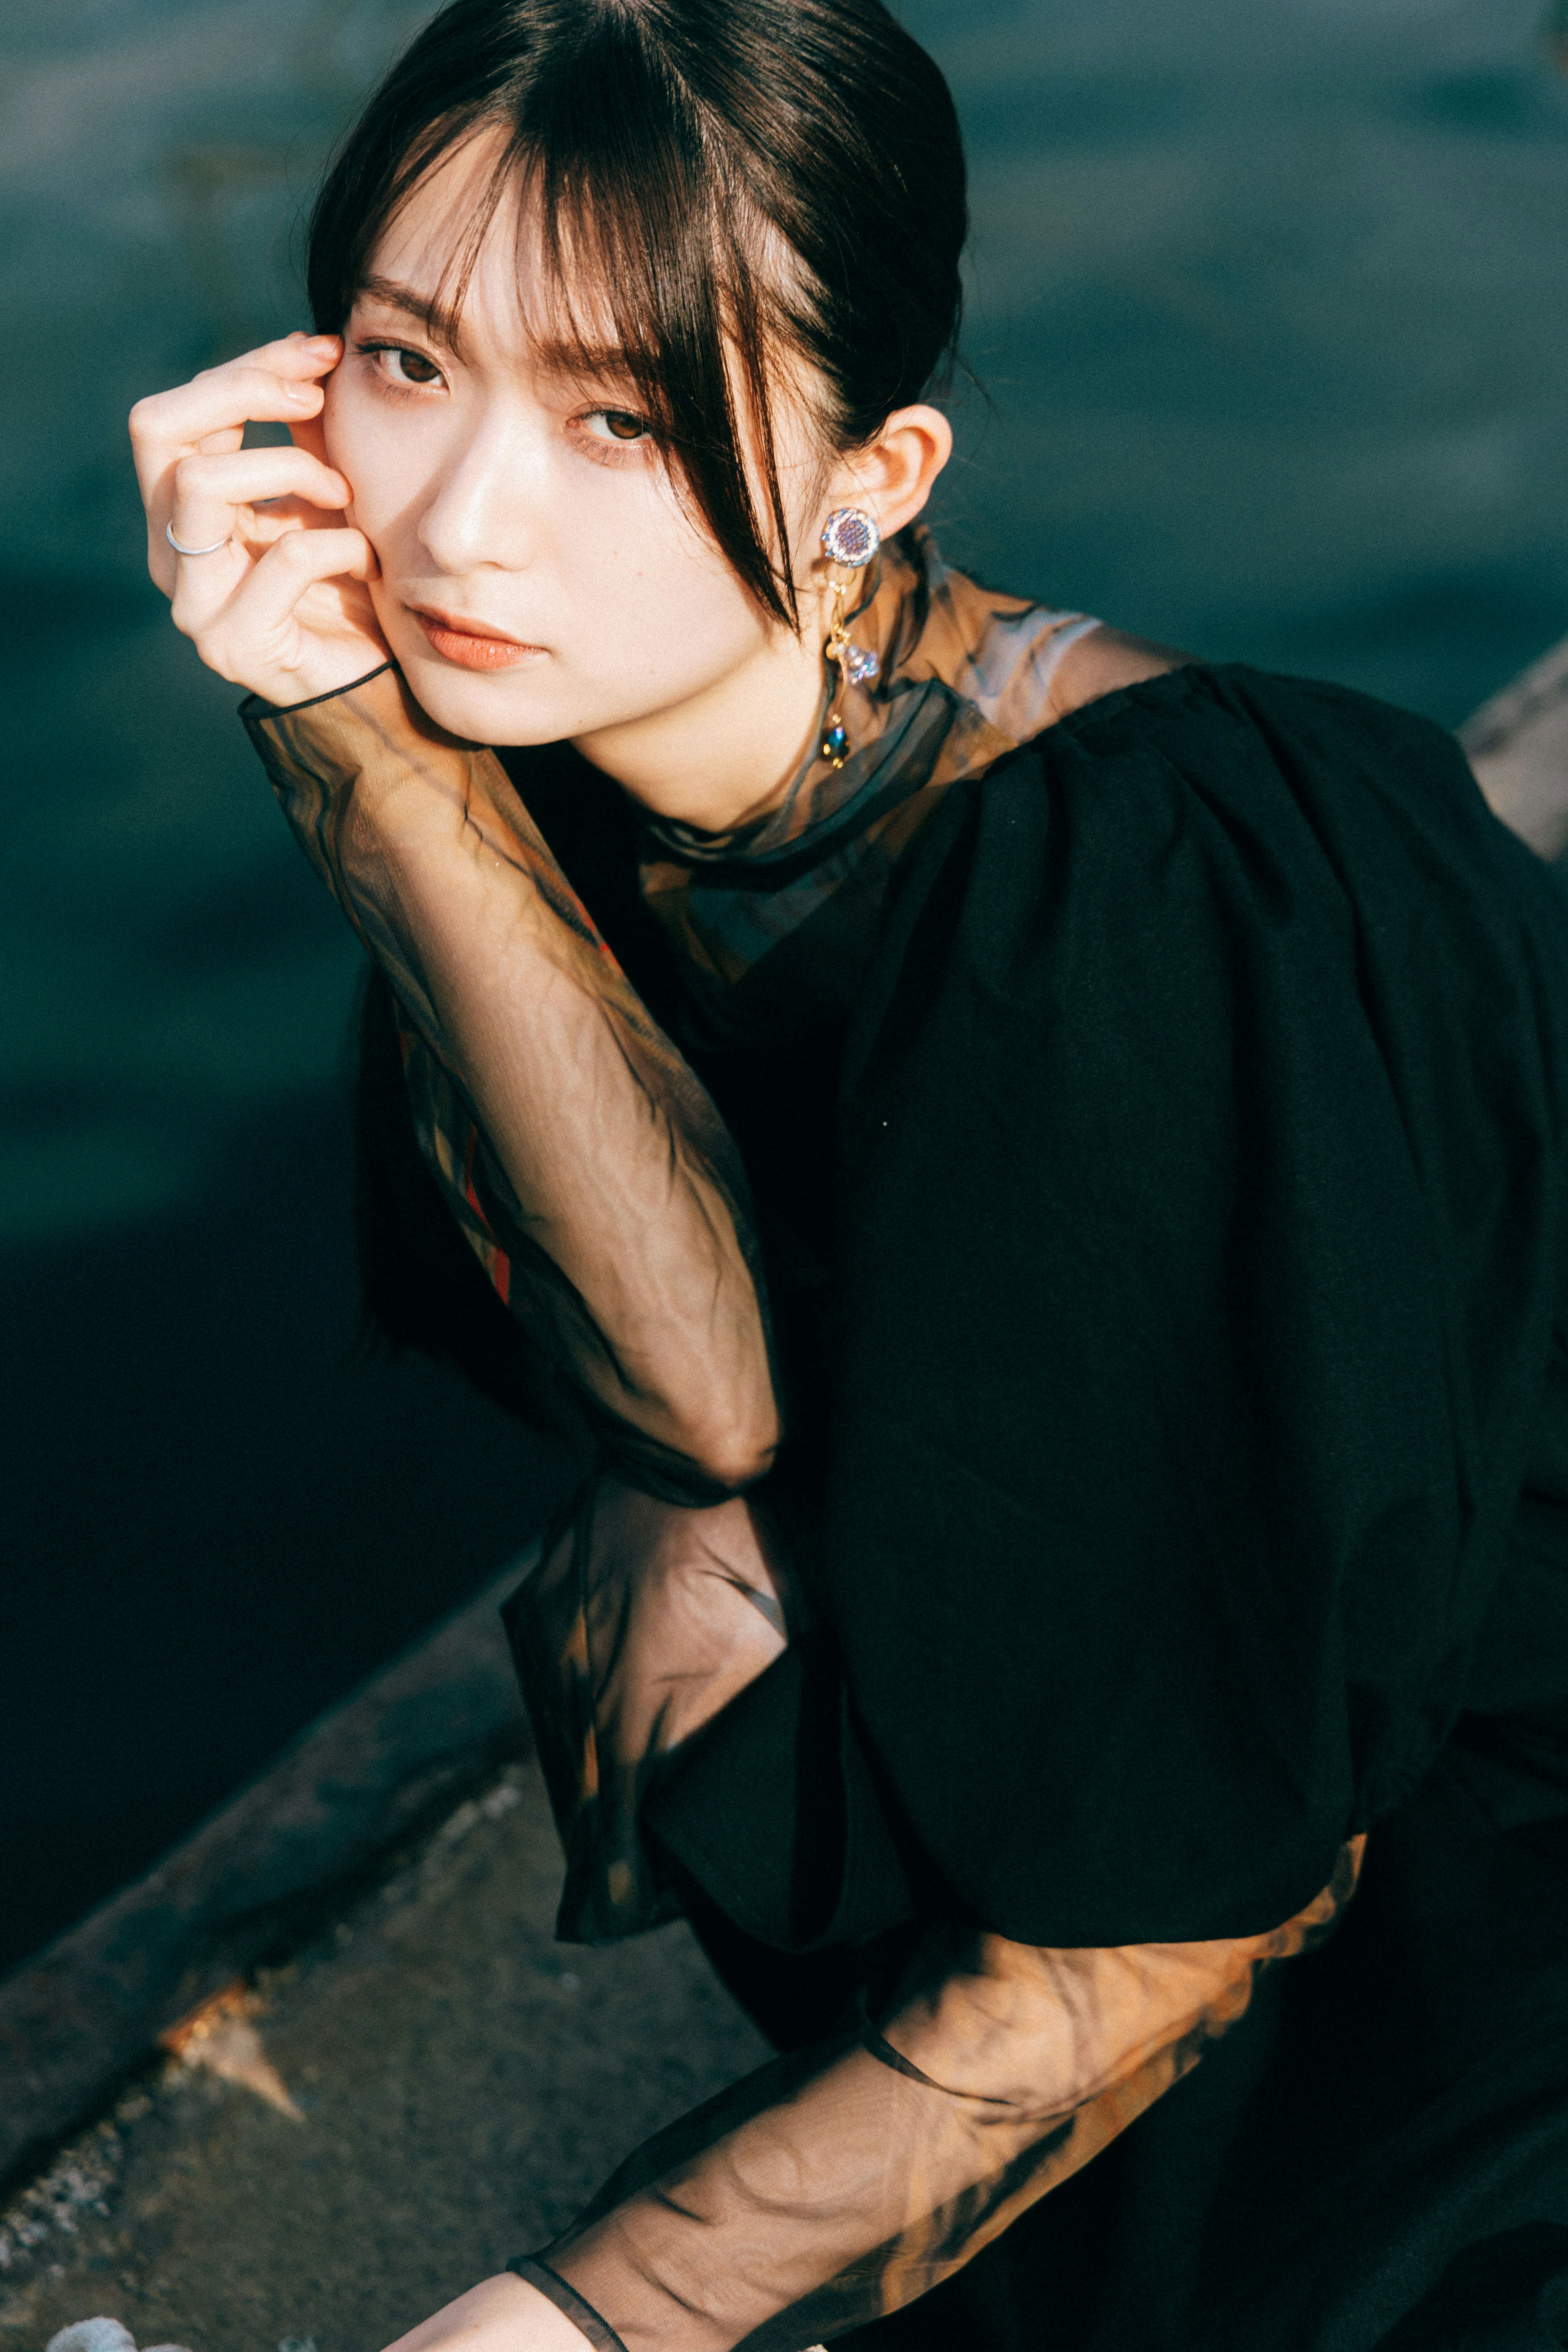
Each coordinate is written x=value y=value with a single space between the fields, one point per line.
x=470 y=644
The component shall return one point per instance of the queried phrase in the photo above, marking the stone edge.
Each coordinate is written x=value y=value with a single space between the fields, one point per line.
x=372 y=1771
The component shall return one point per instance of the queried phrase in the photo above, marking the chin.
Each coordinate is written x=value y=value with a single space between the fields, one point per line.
x=500 y=708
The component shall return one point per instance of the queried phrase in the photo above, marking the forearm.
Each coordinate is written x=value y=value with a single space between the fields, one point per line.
x=602 y=1152
x=595 y=1162
x=836 y=2186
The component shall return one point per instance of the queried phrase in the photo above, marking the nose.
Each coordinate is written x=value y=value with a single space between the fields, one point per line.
x=480 y=506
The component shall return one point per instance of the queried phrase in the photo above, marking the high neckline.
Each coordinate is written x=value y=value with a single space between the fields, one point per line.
x=946 y=649
x=772 y=921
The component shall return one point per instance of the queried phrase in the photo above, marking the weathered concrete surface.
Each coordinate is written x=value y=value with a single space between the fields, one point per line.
x=252 y=1880
x=463 y=2082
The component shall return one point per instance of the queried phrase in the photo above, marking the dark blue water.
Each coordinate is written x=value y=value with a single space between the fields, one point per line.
x=1271 y=300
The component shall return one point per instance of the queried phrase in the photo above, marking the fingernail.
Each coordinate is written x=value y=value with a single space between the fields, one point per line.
x=301 y=395
x=321 y=342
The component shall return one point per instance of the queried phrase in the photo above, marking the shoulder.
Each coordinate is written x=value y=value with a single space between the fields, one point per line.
x=1258 y=773
x=1114 y=691
x=1103 y=662
x=1140 y=734
x=1201 y=841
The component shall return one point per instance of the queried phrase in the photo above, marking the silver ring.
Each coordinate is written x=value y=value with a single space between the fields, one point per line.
x=181 y=549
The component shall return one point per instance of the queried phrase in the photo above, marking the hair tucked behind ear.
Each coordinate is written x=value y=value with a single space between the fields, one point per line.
x=721 y=180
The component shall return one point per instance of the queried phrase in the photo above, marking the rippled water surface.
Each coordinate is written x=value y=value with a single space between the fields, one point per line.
x=1270 y=298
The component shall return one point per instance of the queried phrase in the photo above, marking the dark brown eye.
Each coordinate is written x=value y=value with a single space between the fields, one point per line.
x=417 y=368
x=623 y=424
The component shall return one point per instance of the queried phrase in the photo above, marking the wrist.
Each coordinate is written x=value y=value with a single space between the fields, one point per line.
x=503 y=2313
x=368 y=736
x=258 y=706
x=588 y=2325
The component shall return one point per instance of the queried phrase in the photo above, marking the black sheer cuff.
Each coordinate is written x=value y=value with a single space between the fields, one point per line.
x=566 y=2299
x=256 y=707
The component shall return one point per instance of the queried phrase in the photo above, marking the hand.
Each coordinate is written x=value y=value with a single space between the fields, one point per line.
x=503 y=2313
x=284 y=607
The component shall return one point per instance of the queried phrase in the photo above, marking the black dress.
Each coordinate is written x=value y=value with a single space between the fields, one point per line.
x=1152 y=1146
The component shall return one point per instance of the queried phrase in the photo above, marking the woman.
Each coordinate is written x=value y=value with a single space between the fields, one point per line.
x=1037 y=1161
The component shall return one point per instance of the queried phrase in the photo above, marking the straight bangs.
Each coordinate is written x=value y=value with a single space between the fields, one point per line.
x=656 y=272
x=708 y=188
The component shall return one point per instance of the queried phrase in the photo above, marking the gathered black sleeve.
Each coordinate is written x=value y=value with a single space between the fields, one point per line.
x=1203 y=1169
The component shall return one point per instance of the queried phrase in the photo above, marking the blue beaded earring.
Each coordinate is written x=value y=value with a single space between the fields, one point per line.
x=849 y=537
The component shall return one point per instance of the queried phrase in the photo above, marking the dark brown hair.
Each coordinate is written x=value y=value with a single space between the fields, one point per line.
x=749 y=174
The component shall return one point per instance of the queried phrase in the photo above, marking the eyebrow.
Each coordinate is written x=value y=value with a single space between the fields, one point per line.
x=602 y=363
x=439 y=322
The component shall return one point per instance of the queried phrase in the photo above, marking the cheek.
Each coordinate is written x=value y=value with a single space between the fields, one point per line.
x=343 y=443
x=672 y=599
x=361 y=441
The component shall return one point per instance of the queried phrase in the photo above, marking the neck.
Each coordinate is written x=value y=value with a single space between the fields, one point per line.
x=730 y=752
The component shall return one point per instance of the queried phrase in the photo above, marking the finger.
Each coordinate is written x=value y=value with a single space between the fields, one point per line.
x=293 y=359
x=298 y=355
x=214 y=408
x=156 y=461
x=241 y=630
x=209 y=490
x=280 y=578
x=227 y=395
x=173 y=422
x=199 y=586
x=311 y=434
x=304 y=360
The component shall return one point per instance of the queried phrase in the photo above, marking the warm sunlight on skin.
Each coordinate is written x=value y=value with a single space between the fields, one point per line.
x=507 y=503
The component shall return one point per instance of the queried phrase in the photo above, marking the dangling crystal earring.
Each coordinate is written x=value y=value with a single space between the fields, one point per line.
x=849 y=537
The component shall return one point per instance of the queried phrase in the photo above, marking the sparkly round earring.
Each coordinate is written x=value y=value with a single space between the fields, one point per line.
x=849 y=537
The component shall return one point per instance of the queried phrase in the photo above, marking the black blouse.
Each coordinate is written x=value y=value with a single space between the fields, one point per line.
x=1197 y=1443
x=1156 y=1217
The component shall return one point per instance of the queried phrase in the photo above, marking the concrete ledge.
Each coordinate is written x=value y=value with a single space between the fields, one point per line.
x=377 y=1770
x=1518 y=745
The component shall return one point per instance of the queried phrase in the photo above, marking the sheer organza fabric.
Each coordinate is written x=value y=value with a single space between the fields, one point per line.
x=595 y=1179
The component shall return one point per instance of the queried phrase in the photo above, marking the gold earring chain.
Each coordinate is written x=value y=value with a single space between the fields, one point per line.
x=855 y=665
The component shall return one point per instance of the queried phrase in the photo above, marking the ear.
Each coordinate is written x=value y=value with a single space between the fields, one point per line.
x=892 y=476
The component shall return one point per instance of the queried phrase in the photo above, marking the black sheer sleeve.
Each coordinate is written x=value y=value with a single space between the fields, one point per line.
x=842 y=2182
x=579 y=1155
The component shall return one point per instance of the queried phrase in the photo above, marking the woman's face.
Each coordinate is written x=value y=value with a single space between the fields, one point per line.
x=538 y=577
